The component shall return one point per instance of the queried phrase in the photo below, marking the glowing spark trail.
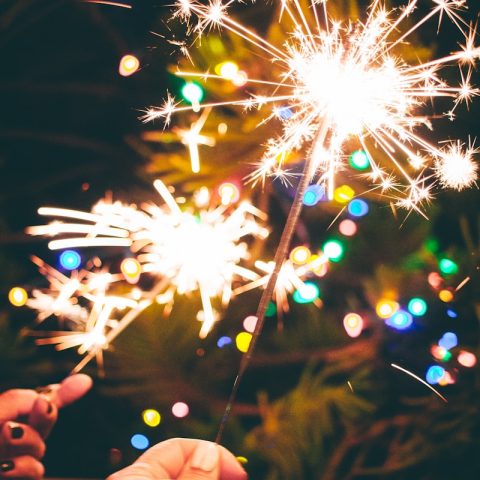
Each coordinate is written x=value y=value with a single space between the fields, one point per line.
x=347 y=82
x=416 y=377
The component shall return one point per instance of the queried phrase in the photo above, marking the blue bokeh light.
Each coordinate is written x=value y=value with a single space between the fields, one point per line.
x=70 y=259
x=139 y=441
x=358 y=207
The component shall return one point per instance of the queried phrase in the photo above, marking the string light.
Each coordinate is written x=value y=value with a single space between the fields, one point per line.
x=400 y=320
x=180 y=409
x=434 y=374
x=447 y=266
x=466 y=359
x=128 y=65
x=243 y=340
x=307 y=294
x=131 y=269
x=300 y=255
x=359 y=160
x=358 y=207
x=249 y=323
x=18 y=296
x=353 y=324
x=70 y=260
x=139 y=441
x=445 y=296
x=386 y=308
x=223 y=342
x=313 y=195
x=333 y=250
x=347 y=227
x=151 y=417
x=448 y=341
x=417 y=306
x=343 y=194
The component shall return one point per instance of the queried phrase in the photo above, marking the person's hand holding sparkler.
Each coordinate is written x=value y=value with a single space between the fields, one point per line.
x=26 y=419
x=184 y=459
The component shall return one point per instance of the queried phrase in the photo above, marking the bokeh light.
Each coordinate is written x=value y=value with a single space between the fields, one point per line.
x=333 y=250
x=448 y=341
x=128 y=65
x=193 y=93
x=447 y=266
x=249 y=323
x=386 y=308
x=151 y=417
x=131 y=269
x=17 y=296
x=243 y=340
x=307 y=294
x=446 y=296
x=353 y=324
x=466 y=359
x=434 y=374
x=343 y=194
x=417 y=306
x=300 y=255
x=400 y=320
x=358 y=207
x=180 y=409
x=347 y=227
x=440 y=353
x=229 y=193
x=224 y=341
x=435 y=280
x=451 y=313
x=271 y=310
x=139 y=441
x=70 y=259
x=359 y=160
x=313 y=195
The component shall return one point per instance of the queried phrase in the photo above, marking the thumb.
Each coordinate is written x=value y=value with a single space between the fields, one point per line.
x=203 y=464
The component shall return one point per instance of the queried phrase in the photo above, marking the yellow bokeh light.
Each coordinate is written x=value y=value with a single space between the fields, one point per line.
x=300 y=255
x=128 y=65
x=17 y=296
x=243 y=340
x=343 y=194
x=131 y=269
x=445 y=296
x=386 y=308
x=228 y=193
x=228 y=70
x=151 y=417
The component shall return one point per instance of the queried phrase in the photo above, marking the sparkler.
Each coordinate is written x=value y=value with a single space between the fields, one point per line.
x=345 y=82
x=191 y=250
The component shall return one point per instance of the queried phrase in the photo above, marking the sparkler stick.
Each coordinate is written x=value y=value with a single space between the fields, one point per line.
x=279 y=259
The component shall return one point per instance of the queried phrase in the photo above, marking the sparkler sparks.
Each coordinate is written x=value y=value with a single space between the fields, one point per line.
x=346 y=81
x=191 y=250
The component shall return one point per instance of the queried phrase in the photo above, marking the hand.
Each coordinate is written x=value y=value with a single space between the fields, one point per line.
x=26 y=418
x=184 y=459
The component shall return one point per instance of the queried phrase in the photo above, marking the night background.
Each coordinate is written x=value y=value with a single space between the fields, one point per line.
x=315 y=403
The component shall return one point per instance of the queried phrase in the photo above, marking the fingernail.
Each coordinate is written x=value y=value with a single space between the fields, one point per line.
x=6 y=465
x=205 y=457
x=16 y=431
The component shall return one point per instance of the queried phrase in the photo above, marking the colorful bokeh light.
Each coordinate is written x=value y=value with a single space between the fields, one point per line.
x=193 y=93
x=386 y=308
x=359 y=160
x=249 y=323
x=180 y=409
x=70 y=259
x=347 y=227
x=313 y=195
x=307 y=294
x=358 y=207
x=300 y=255
x=447 y=266
x=243 y=340
x=400 y=320
x=353 y=324
x=466 y=359
x=343 y=194
x=18 y=296
x=417 y=306
x=151 y=417
x=434 y=374
x=139 y=441
x=333 y=250
x=128 y=65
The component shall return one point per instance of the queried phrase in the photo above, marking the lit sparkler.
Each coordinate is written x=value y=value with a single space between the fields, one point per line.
x=198 y=250
x=344 y=82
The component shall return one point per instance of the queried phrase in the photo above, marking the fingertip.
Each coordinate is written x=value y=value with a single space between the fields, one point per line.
x=73 y=388
x=231 y=469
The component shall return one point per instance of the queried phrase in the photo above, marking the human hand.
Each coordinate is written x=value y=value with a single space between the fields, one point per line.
x=184 y=459
x=26 y=419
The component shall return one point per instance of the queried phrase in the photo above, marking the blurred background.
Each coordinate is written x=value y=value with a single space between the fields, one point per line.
x=321 y=399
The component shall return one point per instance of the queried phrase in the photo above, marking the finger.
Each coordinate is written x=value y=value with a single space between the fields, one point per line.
x=15 y=403
x=17 y=439
x=24 y=467
x=169 y=458
x=43 y=415
x=72 y=388
x=203 y=464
